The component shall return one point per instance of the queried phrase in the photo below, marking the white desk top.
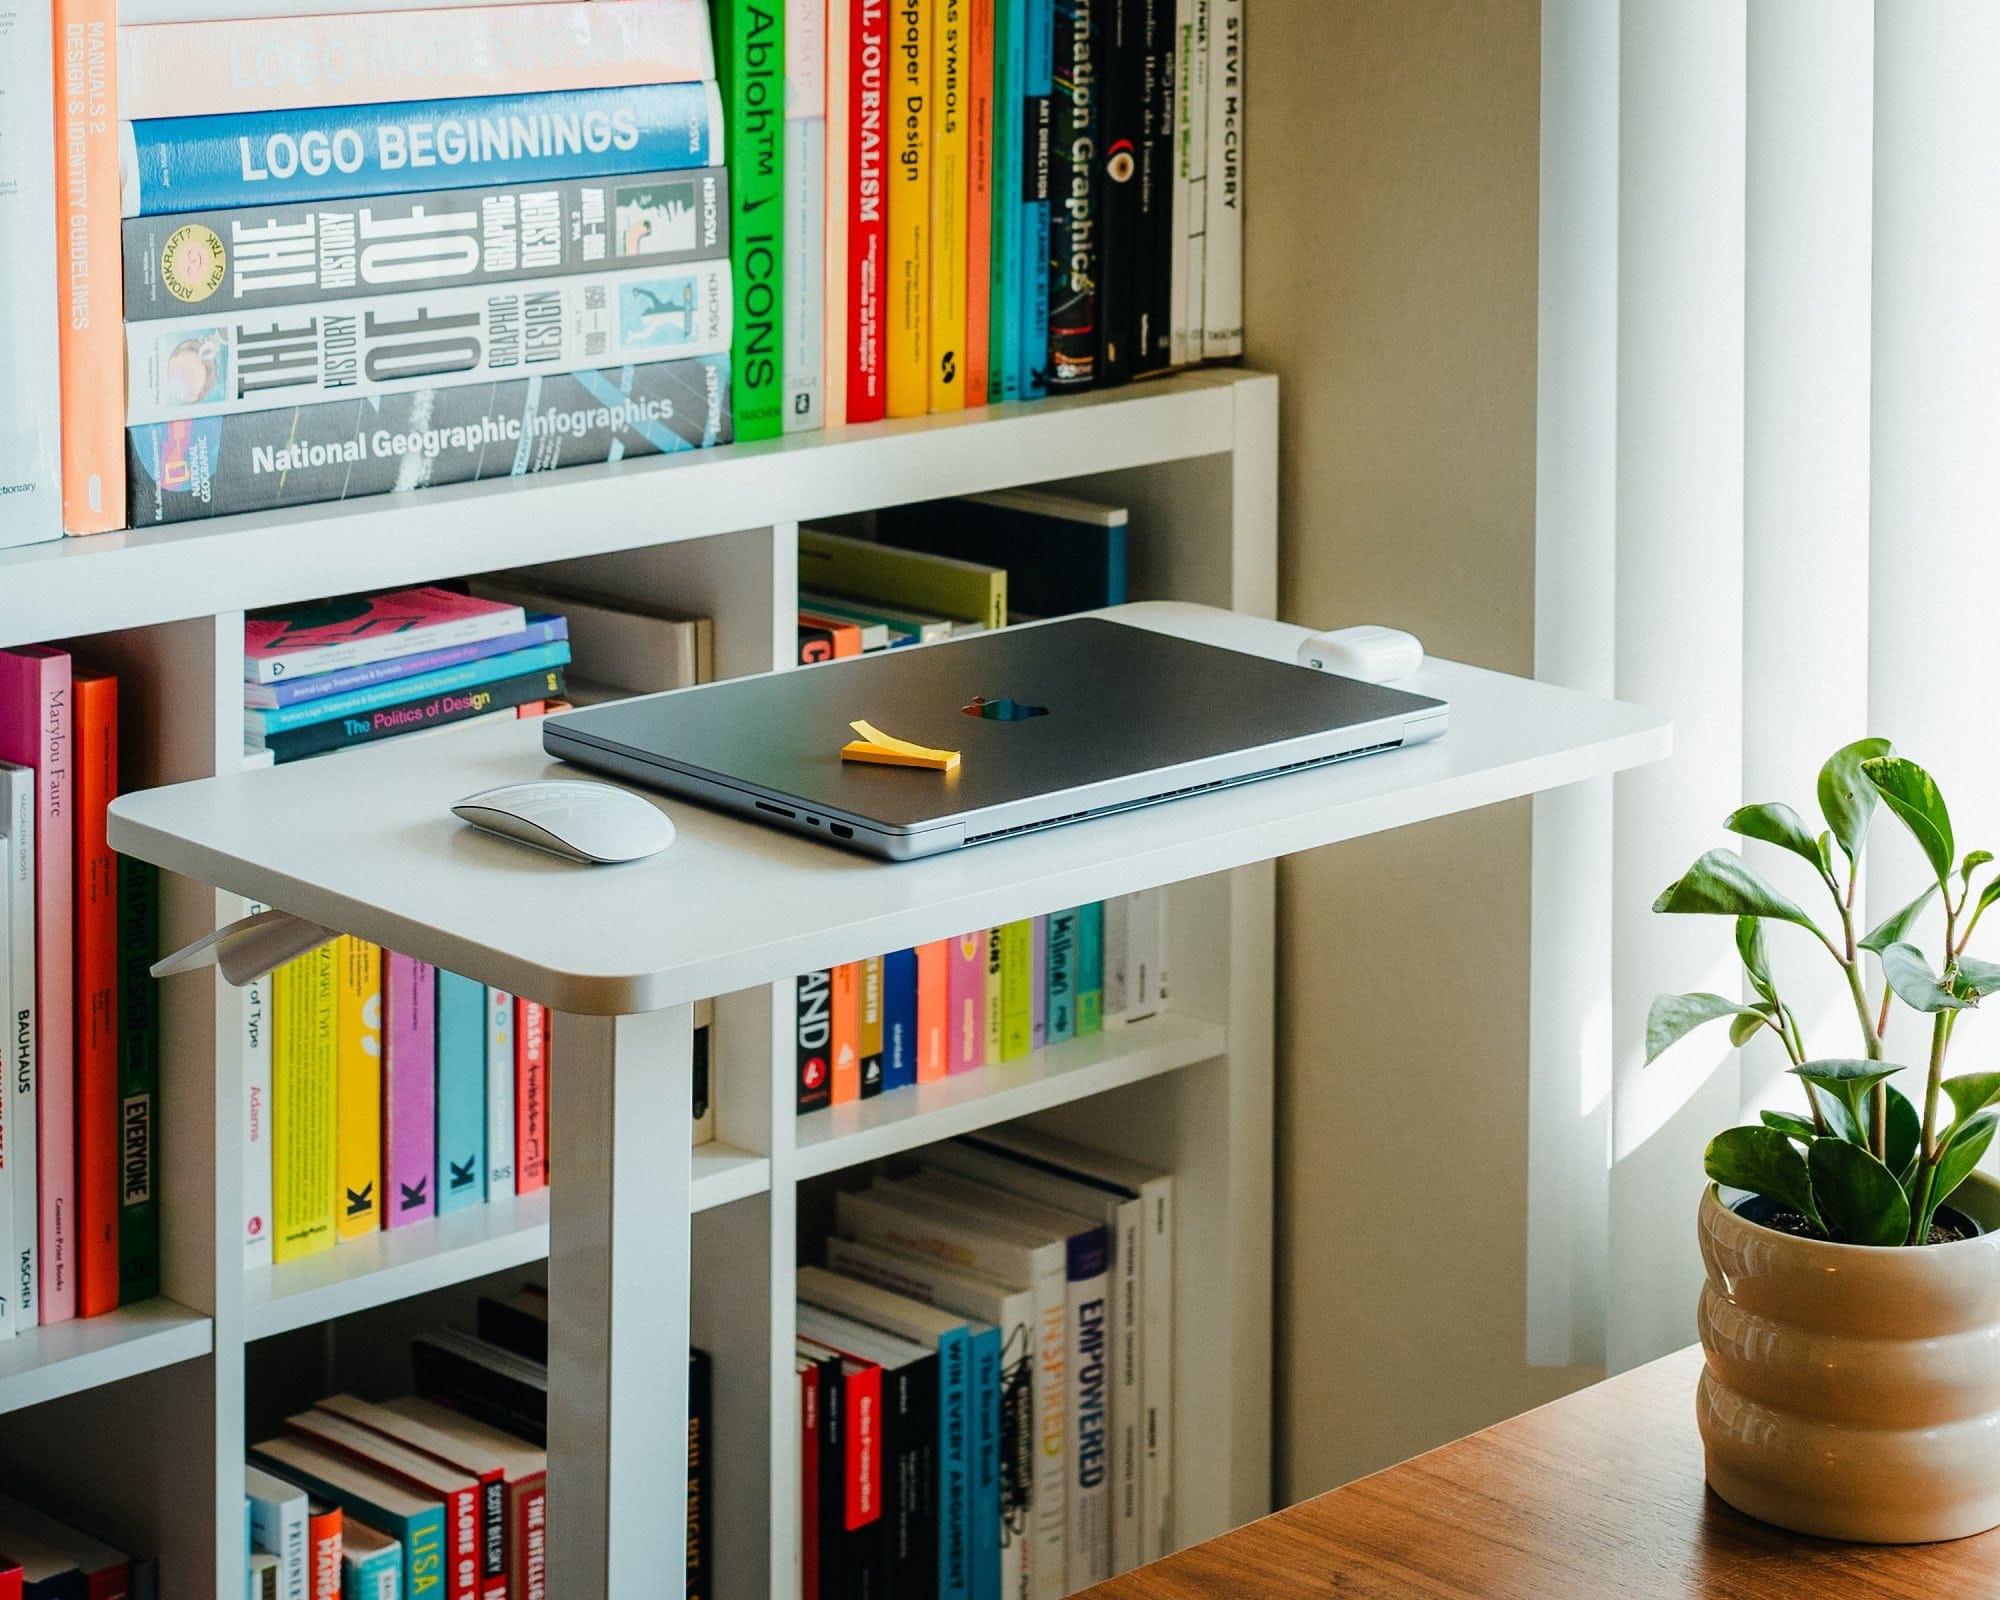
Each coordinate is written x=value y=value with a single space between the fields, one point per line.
x=365 y=842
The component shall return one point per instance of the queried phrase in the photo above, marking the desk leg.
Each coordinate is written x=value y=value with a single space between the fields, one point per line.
x=618 y=1304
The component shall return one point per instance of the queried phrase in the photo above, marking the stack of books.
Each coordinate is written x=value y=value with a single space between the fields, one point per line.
x=998 y=995
x=47 y=1558
x=1011 y=1288
x=79 y=1133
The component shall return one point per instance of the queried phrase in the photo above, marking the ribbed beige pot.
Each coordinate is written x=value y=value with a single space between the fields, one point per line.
x=1853 y=1393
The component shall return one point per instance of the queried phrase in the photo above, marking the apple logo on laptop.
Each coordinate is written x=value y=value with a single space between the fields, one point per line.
x=1004 y=708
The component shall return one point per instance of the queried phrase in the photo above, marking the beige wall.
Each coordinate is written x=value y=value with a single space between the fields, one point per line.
x=1391 y=283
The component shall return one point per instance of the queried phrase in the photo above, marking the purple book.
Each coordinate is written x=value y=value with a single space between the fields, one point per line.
x=1038 y=980
x=409 y=1089
x=542 y=629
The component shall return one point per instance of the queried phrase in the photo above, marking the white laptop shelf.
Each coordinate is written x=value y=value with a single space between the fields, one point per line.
x=647 y=1244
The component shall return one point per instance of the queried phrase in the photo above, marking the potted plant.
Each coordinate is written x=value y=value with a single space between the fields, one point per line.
x=1851 y=1315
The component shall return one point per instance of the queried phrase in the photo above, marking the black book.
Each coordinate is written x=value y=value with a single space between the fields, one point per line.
x=432 y=711
x=1073 y=191
x=701 y=1476
x=1121 y=100
x=490 y=1384
x=812 y=1032
x=520 y=1324
x=1154 y=246
x=851 y=1559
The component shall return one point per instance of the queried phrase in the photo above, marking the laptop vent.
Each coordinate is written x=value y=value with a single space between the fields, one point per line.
x=1177 y=794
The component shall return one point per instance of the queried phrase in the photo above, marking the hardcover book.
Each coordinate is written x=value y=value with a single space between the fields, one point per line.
x=212 y=263
x=413 y=1519
x=31 y=484
x=541 y=629
x=1073 y=194
x=351 y=630
x=865 y=271
x=1010 y=63
x=805 y=213
x=499 y=1095
x=1222 y=240
x=1036 y=192
x=966 y=995
x=1120 y=114
x=257 y=1027
x=899 y=1019
x=1062 y=553
x=95 y=904
x=910 y=244
x=461 y=1093
x=950 y=152
x=978 y=263
x=845 y=1043
x=531 y=1096
x=750 y=40
x=138 y=1081
x=18 y=1055
x=933 y=1010
x=358 y=1134
x=258 y=725
x=304 y=1105
x=1153 y=349
x=409 y=1090
x=812 y=1040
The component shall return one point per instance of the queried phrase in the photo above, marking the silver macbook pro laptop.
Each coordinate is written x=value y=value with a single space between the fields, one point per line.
x=1056 y=722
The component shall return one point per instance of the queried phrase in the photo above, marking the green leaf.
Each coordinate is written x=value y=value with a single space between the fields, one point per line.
x=1906 y=1132
x=1745 y=1027
x=1847 y=1083
x=1896 y=929
x=1910 y=975
x=1962 y=1150
x=1824 y=844
x=1765 y=1162
x=1723 y=884
x=1790 y=1126
x=1909 y=791
x=1775 y=823
x=1974 y=860
x=1674 y=1016
x=1846 y=798
x=1987 y=896
x=1973 y=1092
x=1859 y=1199
x=1973 y=979
x=1756 y=961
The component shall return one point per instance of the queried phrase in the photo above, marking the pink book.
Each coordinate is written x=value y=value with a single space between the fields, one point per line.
x=191 y=69
x=965 y=986
x=1038 y=985
x=409 y=1089
x=355 y=630
x=35 y=732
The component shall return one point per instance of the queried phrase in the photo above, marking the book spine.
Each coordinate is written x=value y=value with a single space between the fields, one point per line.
x=1037 y=191
x=304 y=1105
x=909 y=245
x=95 y=899
x=871 y=1015
x=986 y=1399
x=1038 y=985
x=1090 y=969
x=17 y=898
x=1017 y=991
x=899 y=1019
x=994 y=1045
x=837 y=112
x=278 y=1528
x=1119 y=117
x=751 y=35
x=1153 y=350
x=138 y=1081
x=1183 y=75
x=1222 y=243
x=10 y=1308
x=1117 y=924
x=978 y=264
x=1156 y=1377
x=409 y=1090
x=1193 y=92
x=358 y=1135
x=343 y=152
x=531 y=1096
x=527 y=1535
x=1062 y=976
x=392 y=344
x=175 y=69
x=461 y=1093
x=499 y=1095
x=258 y=1018
x=1003 y=380
x=805 y=214
x=263 y=256
x=324 y=685
x=1089 y=1502
x=258 y=723
x=845 y=1019
x=459 y=433
x=933 y=1010
x=87 y=143
x=954 y=1476
x=966 y=994
x=809 y=1447
x=323 y=1540
x=1145 y=954
x=950 y=153
x=1126 y=1384
x=867 y=199
x=435 y=711
x=1073 y=227
x=31 y=476
x=812 y=1038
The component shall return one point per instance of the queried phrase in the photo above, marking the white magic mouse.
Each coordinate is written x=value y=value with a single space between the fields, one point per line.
x=571 y=818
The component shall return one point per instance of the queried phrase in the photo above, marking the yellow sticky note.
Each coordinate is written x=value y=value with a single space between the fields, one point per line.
x=886 y=750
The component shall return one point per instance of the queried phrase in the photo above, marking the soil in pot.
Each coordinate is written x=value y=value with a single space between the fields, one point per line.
x=1948 y=1225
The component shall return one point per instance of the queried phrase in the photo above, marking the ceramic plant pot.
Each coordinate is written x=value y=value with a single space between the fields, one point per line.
x=1853 y=1393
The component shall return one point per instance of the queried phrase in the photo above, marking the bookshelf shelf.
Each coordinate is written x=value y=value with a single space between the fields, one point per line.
x=47 y=1363
x=866 y=1130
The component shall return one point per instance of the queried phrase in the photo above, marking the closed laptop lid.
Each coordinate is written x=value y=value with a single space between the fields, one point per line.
x=1036 y=711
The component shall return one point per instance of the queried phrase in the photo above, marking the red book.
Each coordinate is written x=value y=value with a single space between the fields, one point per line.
x=845 y=1048
x=531 y=1097
x=10 y=1578
x=808 y=1480
x=862 y=1387
x=979 y=200
x=95 y=901
x=35 y=732
x=933 y=1003
x=866 y=190
x=324 y=1544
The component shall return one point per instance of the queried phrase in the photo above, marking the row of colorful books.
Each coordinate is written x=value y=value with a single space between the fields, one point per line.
x=44 y=1557
x=79 y=1109
x=985 y=1367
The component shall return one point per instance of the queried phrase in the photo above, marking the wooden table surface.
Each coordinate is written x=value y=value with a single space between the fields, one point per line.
x=1597 y=1497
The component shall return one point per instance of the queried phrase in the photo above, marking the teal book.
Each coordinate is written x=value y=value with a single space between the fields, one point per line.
x=984 y=1472
x=955 y=1493
x=1090 y=968
x=383 y=1504
x=461 y=1092
x=750 y=55
x=1010 y=49
x=1062 y=976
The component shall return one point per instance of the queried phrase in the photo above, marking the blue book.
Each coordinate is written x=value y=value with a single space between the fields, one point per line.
x=899 y=1019
x=984 y=1474
x=1090 y=968
x=1062 y=976
x=1010 y=50
x=542 y=628
x=346 y=152
x=468 y=675
x=1038 y=93
x=461 y=1092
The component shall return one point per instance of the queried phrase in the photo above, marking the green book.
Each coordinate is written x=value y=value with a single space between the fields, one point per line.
x=1090 y=968
x=138 y=1082
x=1017 y=994
x=1003 y=374
x=861 y=569
x=750 y=54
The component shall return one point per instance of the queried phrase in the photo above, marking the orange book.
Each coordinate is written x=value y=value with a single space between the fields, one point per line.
x=846 y=635
x=933 y=1008
x=94 y=709
x=88 y=270
x=979 y=202
x=846 y=1048
x=323 y=1547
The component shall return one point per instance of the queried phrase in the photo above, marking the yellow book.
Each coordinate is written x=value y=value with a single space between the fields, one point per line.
x=304 y=1074
x=1017 y=996
x=996 y=999
x=909 y=234
x=951 y=152
x=837 y=563
x=358 y=1045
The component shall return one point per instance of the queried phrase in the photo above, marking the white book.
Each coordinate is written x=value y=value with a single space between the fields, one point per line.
x=1087 y=1304
x=256 y=359
x=30 y=466
x=804 y=341
x=1222 y=253
x=9 y=1299
x=1115 y=922
x=278 y=1517
x=1195 y=154
x=1145 y=954
x=257 y=1115
x=1156 y=1346
x=633 y=648
x=998 y=1248
x=1123 y=1214
x=1177 y=297
x=17 y=903
x=499 y=1095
